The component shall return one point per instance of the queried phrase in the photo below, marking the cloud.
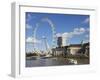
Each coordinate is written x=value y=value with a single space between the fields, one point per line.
x=58 y=35
x=29 y=48
x=28 y=26
x=75 y=32
x=87 y=36
x=78 y=31
x=86 y=20
x=67 y=35
x=30 y=17
x=32 y=40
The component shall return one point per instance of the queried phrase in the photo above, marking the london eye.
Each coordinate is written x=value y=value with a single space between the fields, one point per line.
x=52 y=27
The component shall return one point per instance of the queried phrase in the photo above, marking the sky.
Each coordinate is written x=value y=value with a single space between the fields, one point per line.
x=74 y=28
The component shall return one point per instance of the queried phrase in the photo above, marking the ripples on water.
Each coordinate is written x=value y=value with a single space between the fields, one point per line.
x=42 y=61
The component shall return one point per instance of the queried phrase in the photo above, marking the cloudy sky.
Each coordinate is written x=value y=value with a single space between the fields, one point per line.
x=74 y=28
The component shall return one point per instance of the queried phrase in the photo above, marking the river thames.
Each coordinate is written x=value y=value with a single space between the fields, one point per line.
x=38 y=62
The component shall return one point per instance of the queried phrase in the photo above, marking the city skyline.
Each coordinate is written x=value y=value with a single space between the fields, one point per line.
x=74 y=28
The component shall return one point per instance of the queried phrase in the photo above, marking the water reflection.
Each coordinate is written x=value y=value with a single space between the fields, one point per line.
x=54 y=61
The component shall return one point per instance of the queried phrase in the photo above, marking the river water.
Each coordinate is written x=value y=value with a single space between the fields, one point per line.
x=37 y=62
